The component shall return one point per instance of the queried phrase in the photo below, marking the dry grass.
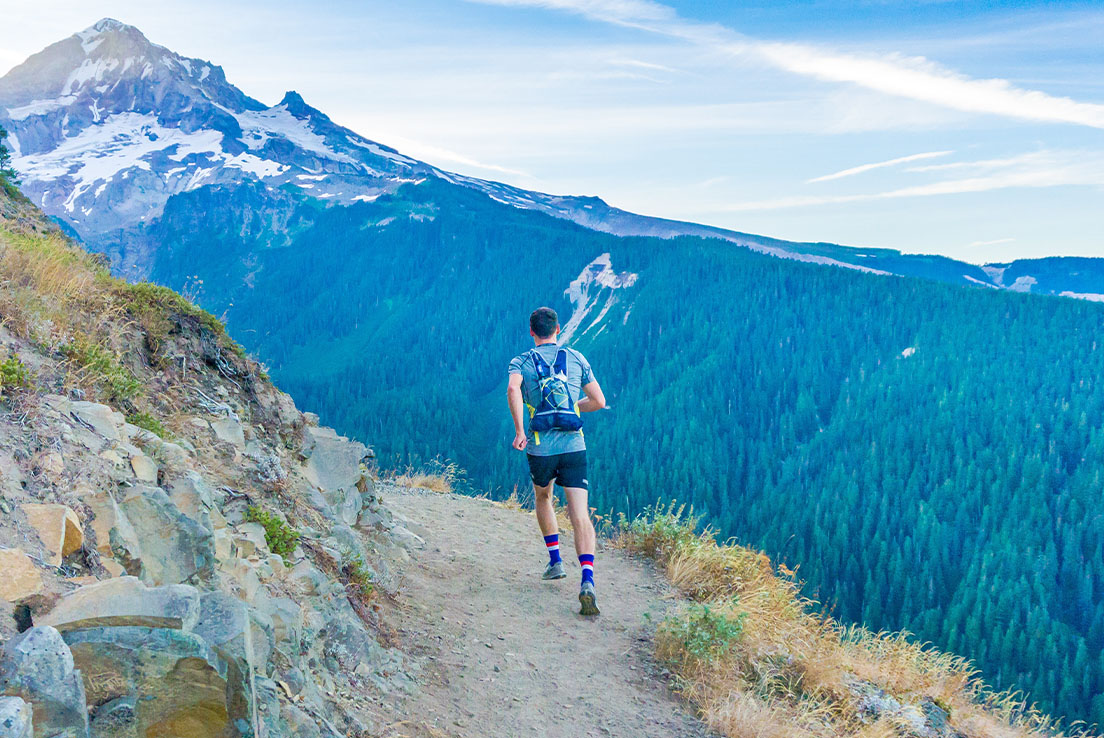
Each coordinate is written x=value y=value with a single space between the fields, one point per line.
x=437 y=476
x=779 y=668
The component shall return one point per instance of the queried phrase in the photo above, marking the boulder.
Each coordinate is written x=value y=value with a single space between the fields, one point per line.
x=38 y=667
x=173 y=547
x=105 y=421
x=152 y=682
x=15 y=718
x=144 y=468
x=125 y=601
x=229 y=430
x=192 y=495
x=335 y=461
x=58 y=527
x=250 y=540
x=50 y=464
x=106 y=519
x=21 y=578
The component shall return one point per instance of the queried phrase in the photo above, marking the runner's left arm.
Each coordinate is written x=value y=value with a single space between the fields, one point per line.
x=594 y=399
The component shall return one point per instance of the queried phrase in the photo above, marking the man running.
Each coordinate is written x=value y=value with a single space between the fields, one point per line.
x=547 y=384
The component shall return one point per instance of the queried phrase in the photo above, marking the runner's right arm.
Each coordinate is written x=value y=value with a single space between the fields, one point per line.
x=516 y=403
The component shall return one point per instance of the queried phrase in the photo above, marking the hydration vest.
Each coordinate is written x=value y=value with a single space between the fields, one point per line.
x=555 y=409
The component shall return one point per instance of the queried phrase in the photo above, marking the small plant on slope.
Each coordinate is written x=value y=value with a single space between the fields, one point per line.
x=701 y=633
x=13 y=375
x=148 y=422
x=279 y=536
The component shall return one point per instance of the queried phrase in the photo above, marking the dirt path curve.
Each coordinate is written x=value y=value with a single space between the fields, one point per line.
x=508 y=654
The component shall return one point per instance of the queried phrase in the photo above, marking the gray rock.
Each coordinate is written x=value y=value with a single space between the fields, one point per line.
x=174 y=548
x=15 y=718
x=38 y=666
x=104 y=420
x=191 y=495
x=229 y=430
x=125 y=601
x=335 y=461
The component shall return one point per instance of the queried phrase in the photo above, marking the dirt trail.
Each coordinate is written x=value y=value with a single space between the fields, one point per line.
x=506 y=653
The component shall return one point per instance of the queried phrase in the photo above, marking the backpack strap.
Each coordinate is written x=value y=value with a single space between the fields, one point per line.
x=540 y=365
x=560 y=367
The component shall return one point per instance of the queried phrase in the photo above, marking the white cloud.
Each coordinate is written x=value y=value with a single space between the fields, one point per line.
x=1042 y=169
x=878 y=165
x=916 y=78
x=994 y=242
x=436 y=154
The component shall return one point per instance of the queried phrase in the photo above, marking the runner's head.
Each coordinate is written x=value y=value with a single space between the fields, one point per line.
x=544 y=324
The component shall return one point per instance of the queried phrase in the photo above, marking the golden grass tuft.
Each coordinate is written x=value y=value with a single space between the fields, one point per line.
x=786 y=669
x=438 y=476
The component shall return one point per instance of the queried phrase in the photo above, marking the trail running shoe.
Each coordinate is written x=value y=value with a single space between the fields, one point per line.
x=588 y=599
x=554 y=571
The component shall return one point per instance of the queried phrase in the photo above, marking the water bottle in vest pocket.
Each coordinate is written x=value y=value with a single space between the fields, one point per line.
x=555 y=410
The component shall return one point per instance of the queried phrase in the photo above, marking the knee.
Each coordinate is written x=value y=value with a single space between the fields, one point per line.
x=542 y=494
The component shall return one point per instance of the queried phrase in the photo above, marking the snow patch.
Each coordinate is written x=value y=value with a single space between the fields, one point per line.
x=89 y=70
x=978 y=281
x=908 y=352
x=1090 y=296
x=996 y=273
x=126 y=141
x=597 y=283
x=1023 y=284
x=260 y=125
x=40 y=107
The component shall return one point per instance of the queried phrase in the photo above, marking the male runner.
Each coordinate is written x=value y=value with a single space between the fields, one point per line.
x=556 y=454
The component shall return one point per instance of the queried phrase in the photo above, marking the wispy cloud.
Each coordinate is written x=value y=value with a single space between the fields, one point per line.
x=878 y=165
x=994 y=242
x=1042 y=169
x=916 y=78
x=436 y=155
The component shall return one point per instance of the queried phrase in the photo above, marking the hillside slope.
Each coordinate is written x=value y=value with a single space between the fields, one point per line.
x=186 y=554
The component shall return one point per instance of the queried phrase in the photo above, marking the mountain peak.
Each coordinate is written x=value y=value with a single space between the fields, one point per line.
x=299 y=108
x=106 y=25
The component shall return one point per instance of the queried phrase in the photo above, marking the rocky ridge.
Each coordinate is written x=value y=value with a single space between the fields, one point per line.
x=185 y=552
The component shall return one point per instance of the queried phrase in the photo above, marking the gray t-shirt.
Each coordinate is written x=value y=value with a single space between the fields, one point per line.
x=578 y=374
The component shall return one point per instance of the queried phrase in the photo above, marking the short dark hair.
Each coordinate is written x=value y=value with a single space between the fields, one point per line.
x=543 y=322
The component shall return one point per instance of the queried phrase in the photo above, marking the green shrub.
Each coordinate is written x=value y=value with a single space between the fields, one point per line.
x=103 y=368
x=13 y=375
x=658 y=530
x=358 y=578
x=279 y=536
x=702 y=633
x=148 y=422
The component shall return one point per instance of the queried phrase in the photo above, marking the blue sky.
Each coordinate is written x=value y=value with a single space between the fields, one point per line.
x=964 y=128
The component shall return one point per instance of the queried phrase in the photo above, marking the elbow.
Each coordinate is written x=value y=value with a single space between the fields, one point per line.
x=599 y=403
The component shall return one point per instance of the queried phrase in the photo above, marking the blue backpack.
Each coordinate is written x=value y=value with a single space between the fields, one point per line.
x=556 y=410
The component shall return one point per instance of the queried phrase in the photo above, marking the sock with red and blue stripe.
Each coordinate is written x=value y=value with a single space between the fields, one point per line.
x=552 y=542
x=587 y=562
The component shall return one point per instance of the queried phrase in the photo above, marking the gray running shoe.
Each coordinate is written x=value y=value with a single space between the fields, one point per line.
x=588 y=599
x=554 y=571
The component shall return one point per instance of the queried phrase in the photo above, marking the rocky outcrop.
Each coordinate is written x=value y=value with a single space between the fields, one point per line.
x=210 y=573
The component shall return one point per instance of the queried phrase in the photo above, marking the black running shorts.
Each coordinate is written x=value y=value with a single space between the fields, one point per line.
x=568 y=470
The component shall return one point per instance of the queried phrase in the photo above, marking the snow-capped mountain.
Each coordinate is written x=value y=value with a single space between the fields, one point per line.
x=105 y=127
